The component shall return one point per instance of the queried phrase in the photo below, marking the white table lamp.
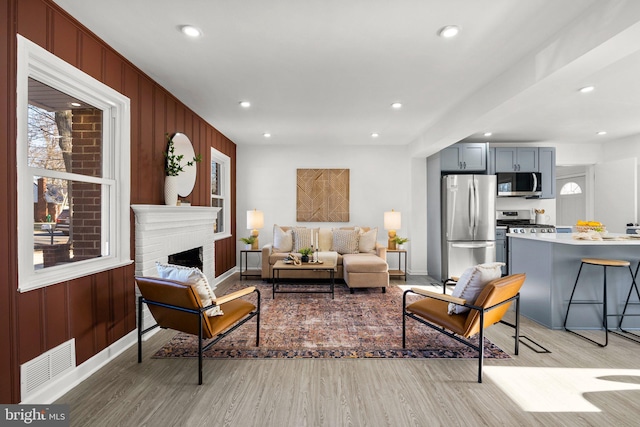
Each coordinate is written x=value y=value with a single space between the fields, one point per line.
x=255 y=220
x=392 y=222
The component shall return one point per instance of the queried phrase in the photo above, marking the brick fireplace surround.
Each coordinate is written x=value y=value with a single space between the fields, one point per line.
x=164 y=230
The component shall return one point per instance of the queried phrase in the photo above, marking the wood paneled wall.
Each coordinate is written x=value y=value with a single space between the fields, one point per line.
x=96 y=310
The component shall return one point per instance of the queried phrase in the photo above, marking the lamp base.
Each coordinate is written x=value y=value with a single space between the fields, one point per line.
x=391 y=243
x=254 y=233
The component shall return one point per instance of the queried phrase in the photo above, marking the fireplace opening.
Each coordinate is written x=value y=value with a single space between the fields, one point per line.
x=188 y=258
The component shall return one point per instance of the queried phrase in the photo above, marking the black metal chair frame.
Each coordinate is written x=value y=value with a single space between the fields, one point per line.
x=479 y=348
x=605 y=314
x=200 y=314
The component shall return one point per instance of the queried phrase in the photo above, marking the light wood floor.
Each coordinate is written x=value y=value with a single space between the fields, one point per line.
x=431 y=392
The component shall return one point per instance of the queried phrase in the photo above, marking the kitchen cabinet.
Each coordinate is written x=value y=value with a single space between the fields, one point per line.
x=501 y=248
x=491 y=162
x=520 y=159
x=464 y=156
x=547 y=167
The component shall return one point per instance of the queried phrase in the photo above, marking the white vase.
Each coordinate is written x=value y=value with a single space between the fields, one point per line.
x=170 y=190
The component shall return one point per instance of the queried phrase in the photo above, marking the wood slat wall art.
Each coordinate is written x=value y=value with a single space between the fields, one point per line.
x=322 y=195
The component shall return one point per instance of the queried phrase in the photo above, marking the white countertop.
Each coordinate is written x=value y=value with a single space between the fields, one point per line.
x=567 y=239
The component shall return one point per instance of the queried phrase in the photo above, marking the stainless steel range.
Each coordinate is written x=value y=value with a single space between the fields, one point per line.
x=521 y=222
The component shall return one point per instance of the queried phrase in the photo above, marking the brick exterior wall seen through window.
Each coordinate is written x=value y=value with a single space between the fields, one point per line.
x=86 y=159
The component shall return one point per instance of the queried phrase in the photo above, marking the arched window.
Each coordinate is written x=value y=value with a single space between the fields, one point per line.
x=570 y=188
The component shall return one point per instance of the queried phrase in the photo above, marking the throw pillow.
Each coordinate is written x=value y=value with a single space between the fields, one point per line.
x=472 y=282
x=345 y=241
x=191 y=276
x=282 y=240
x=325 y=236
x=301 y=238
x=368 y=240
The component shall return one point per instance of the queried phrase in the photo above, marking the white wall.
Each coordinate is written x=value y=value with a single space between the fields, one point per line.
x=381 y=179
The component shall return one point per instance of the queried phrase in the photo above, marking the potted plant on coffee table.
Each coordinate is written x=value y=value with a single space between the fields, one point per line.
x=305 y=252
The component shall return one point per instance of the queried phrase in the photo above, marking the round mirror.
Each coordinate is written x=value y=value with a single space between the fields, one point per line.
x=187 y=178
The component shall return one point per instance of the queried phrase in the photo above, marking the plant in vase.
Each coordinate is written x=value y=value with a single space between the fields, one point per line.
x=305 y=252
x=248 y=241
x=173 y=167
x=400 y=241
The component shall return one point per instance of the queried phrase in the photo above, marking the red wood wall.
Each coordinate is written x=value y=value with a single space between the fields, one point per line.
x=96 y=310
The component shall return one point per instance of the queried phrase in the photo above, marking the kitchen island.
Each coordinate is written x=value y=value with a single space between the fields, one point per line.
x=552 y=261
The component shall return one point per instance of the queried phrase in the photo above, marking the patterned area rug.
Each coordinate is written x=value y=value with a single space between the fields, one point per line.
x=366 y=324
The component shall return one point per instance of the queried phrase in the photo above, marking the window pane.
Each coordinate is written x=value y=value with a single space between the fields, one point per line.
x=67 y=223
x=219 y=225
x=571 y=188
x=216 y=170
x=64 y=134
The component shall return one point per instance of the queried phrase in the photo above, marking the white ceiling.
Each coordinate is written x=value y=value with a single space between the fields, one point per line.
x=325 y=72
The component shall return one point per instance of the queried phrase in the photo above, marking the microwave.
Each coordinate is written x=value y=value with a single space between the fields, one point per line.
x=519 y=184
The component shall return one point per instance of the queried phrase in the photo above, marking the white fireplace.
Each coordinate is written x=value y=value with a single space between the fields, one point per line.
x=162 y=230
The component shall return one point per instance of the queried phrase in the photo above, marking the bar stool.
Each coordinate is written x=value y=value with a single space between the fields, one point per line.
x=601 y=263
x=634 y=285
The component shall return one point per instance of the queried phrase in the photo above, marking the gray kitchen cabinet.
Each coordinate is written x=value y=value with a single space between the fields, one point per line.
x=464 y=156
x=491 y=162
x=501 y=248
x=521 y=159
x=547 y=167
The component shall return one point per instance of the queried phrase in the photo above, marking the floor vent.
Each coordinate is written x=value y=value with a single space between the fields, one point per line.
x=46 y=368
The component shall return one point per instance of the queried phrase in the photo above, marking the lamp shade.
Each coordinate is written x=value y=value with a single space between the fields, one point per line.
x=255 y=219
x=392 y=220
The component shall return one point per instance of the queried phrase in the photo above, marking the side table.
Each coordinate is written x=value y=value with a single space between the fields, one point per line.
x=245 y=271
x=401 y=271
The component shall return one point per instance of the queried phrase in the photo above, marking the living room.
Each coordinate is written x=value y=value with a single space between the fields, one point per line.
x=98 y=310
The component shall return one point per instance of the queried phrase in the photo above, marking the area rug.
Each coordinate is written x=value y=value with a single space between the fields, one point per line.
x=366 y=324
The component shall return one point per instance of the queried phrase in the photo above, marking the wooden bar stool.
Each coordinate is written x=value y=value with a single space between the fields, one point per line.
x=601 y=263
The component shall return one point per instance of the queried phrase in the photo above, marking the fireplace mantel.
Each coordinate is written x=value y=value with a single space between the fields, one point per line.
x=151 y=217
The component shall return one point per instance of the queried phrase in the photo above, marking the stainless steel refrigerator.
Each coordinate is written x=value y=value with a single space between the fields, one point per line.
x=468 y=222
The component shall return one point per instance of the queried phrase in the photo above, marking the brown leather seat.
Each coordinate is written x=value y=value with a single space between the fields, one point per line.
x=176 y=305
x=488 y=309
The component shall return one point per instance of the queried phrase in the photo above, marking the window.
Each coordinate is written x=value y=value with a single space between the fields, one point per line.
x=570 y=188
x=220 y=192
x=73 y=171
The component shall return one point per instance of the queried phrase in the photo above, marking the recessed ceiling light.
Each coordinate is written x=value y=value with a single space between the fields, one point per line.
x=396 y=105
x=245 y=104
x=75 y=104
x=449 y=31
x=488 y=133
x=602 y=132
x=266 y=135
x=190 y=30
x=587 y=89
x=375 y=135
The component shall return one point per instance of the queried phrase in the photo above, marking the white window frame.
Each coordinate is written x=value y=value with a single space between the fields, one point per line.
x=225 y=187
x=41 y=65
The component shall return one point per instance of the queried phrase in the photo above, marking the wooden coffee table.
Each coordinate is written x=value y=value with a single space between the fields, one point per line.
x=328 y=266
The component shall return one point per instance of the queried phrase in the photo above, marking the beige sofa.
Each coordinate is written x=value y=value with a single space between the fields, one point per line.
x=361 y=261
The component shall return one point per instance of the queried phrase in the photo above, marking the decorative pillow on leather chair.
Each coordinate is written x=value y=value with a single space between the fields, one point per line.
x=191 y=276
x=472 y=282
